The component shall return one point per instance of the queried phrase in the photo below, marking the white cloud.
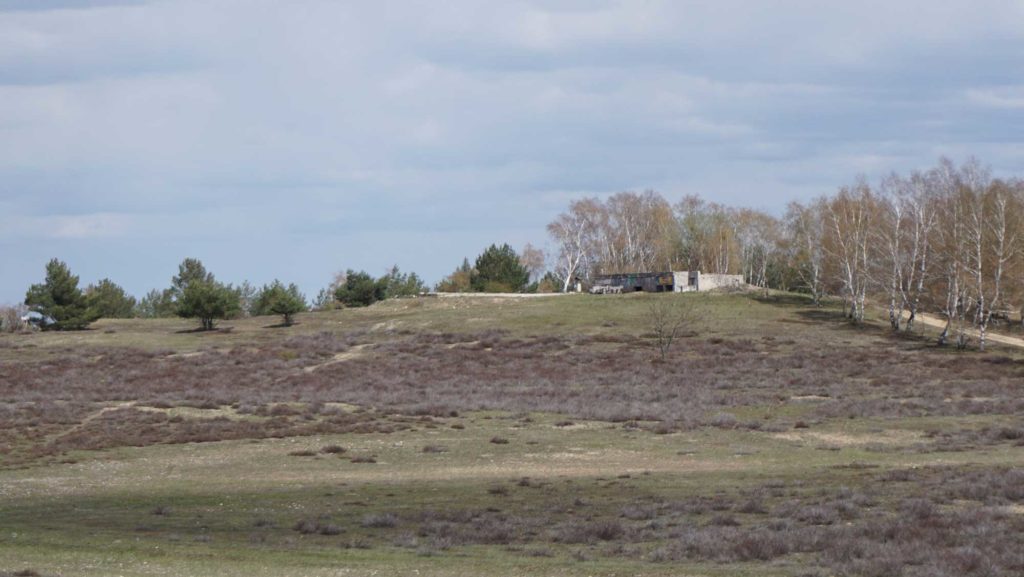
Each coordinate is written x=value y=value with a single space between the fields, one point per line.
x=100 y=225
x=66 y=227
x=1004 y=98
x=207 y=125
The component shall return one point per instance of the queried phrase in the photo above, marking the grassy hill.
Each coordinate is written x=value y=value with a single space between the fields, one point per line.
x=508 y=437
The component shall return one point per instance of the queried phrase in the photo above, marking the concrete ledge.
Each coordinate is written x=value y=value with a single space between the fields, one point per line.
x=497 y=295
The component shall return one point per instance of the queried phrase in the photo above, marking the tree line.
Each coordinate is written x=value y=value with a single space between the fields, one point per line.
x=945 y=241
x=60 y=304
x=634 y=232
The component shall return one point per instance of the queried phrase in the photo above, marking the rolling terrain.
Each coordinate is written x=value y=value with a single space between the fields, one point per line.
x=511 y=437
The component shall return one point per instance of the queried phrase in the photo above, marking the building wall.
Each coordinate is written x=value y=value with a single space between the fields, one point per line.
x=716 y=281
x=677 y=281
x=692 y=280
x=685 y=280
x=646 y=282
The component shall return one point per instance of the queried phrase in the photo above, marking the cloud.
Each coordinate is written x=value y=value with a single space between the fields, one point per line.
x=86 y=226
x=329 y=135
x=46 y=5
x=1009 y=98
x=68 y=227
x=99 y=41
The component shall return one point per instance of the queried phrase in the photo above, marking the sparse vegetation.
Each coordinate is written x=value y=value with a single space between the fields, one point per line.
x=413 y=434
x=667 y=318
x=11 y=319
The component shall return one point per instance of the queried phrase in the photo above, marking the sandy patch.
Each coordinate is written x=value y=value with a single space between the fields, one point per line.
x=192 y=412
x=581 y=426
x=465 y=344
x=353 y=353
x=191 y=355
x=385 y=326
x=891 y=437
x=604 y=463
x=205 y=468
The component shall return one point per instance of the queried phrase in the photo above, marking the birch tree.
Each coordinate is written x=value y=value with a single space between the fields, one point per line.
x=636 y=224
x=805 y=230
x=706 y=236
x=574 y=233
x=954 y=252
x=994 y=225
x=889 y=231
x=849 y=218
x=758 y=236
x=918 y=200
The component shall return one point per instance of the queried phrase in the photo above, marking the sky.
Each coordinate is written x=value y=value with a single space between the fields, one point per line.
x=294 y=139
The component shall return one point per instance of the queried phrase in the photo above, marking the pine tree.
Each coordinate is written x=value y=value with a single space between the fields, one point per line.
x=498 y=270
x=247 y=295
x=110 y=301
x=276 y=299
x=59 y=300
x=157 y=304
x=199 y=295
x=360 y=289
x=189 y=271
x=208 y=301
x=398 y=284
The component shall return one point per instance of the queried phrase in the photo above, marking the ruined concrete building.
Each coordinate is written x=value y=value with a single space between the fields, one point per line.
x=678 y=281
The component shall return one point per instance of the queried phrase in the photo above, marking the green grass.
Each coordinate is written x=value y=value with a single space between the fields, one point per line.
x=559 y=315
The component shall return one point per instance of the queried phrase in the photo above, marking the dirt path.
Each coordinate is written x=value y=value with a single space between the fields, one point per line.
x=352 y=353
x=938 y=323
x=88 y=419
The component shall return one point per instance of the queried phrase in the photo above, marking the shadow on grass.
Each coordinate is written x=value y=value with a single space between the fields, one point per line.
x=281 y=325
x=201 y=330
x=824 y=316
x=783 y=299
x=914 y=340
